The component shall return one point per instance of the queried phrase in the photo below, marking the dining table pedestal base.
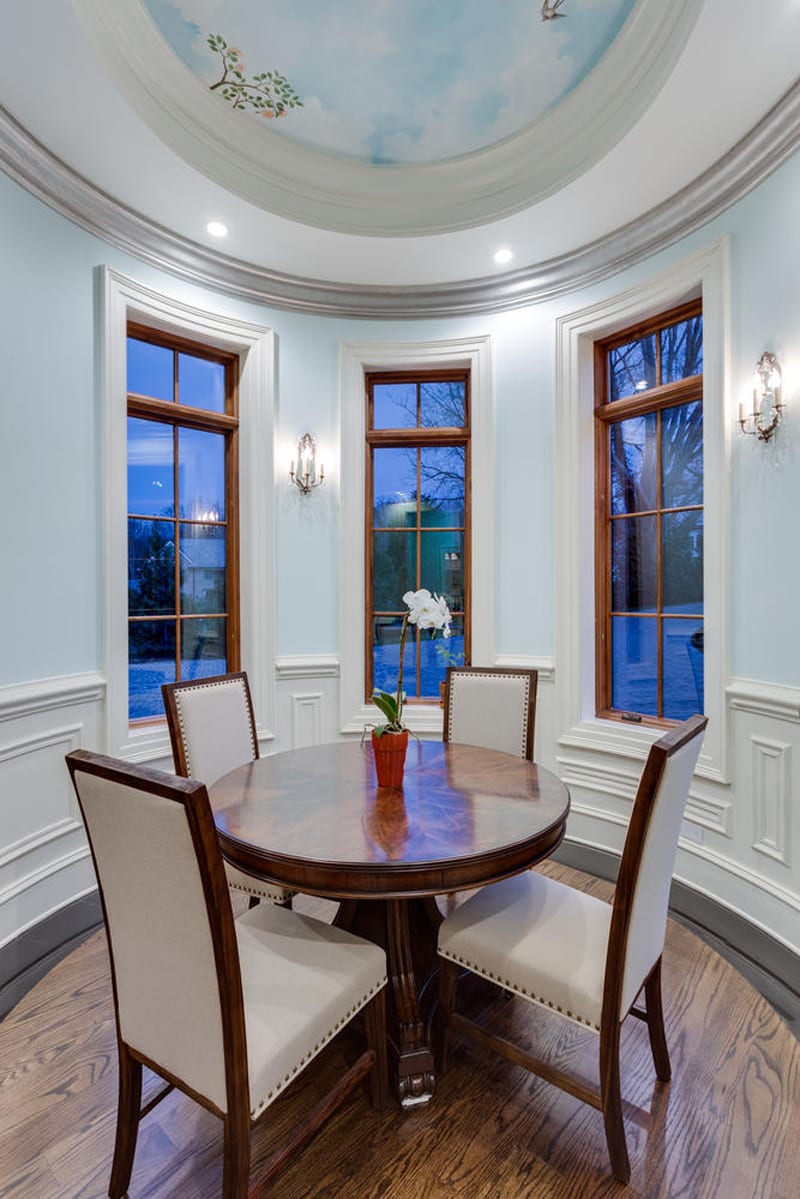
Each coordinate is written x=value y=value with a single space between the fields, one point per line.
x=407 y=929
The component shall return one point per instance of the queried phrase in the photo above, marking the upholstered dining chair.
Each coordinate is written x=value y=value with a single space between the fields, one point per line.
x=494 y=707
x=212 y=730
x=228 y=1011
x=573 y=953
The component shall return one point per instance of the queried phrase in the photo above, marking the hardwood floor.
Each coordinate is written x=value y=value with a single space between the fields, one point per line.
x=727 y=1127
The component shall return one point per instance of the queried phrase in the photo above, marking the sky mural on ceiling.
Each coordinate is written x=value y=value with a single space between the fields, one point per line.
x=391 y=81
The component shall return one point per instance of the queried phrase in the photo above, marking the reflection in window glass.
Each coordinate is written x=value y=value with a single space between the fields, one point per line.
x=632 y=368
x=634 y=569
x=633 y=474
x=682 y=350
x=203 y=580
x=151 y=567
x=394 y=406
x=151 y=462
x=442 y=404
x=150 y=370
x=394 y=487
x=386 y=658
x=201 y=466
x=151 y=662
x=682 y=561
x=683 y=668
x=203 y=648
x=394 y=569
x=682 y=455
x=634 y=654
x=201 y=383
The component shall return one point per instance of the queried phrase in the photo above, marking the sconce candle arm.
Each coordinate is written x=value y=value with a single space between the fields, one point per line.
x=767 y=400
x=308 y=475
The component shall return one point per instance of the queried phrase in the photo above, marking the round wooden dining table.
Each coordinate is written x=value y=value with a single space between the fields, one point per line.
x=314 y=820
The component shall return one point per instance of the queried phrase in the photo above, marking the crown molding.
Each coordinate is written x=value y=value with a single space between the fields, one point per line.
x=770 y=143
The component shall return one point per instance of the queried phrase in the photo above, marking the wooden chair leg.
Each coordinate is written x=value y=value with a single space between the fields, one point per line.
x=611 y=1096
x=448 y=977
x=375 y=1032
x=236 y=1160
x=655 y=1024
x=128 y=1107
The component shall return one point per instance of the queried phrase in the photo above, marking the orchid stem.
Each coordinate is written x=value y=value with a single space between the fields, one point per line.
x=400 y=671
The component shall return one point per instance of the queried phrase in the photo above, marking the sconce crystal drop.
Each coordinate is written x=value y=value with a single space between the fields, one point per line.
x=307 y=476
x=767 y=400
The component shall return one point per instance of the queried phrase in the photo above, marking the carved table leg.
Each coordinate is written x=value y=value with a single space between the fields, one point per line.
x=406 y=929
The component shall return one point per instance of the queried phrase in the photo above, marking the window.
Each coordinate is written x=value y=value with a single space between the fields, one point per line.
x=650 y=519
x=182 y=514
x=418 y=521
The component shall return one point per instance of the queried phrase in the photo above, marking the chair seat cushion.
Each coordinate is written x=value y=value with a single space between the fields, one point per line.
x=302 y=981
x=256 y=886
x=538 y=938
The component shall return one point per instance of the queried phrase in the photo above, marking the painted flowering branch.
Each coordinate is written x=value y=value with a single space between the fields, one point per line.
x=426 y=611
x=270 y=94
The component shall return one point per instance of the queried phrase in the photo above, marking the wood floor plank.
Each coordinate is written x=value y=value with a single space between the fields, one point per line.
x=727 y=1127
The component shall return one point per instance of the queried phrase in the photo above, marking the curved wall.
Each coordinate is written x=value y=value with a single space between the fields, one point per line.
x=743 y=846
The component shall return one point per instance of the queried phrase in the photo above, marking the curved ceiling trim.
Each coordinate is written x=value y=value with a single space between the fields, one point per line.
x=332 y=192
x=746 y=165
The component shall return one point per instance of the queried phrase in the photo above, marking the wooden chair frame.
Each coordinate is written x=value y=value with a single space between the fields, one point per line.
x=169 y=691
x=608 y=1098
x=511 y=672
x=173 y=717
x=236 y=1121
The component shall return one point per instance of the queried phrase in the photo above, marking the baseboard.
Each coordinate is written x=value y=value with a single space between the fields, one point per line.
x=763 y=961
x=29 y=956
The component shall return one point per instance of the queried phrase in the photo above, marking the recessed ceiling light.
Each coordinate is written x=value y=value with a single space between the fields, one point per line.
x=503 y=256
x=217 y=229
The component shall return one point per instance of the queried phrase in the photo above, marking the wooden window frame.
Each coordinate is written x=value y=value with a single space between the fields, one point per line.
x=415 y=438
x=177 y=415
x=608 y=412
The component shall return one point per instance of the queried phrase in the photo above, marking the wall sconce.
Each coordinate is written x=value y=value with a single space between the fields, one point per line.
x=767 y=404
x=306 y=476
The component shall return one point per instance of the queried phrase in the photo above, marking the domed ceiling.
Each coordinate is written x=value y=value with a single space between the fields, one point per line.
x=369 y=157
x=390 y=83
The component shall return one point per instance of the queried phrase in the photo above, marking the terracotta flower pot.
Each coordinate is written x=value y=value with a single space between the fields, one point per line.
x=389 y=751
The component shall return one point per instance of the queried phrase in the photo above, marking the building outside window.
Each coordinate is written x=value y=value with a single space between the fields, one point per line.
x=418 y=521
x=183 y=620
x=649 y=447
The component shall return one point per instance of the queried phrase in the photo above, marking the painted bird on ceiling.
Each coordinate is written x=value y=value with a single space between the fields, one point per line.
x=550 y=10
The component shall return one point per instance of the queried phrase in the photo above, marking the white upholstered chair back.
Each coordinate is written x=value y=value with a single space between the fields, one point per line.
x=492 y=708
x=643 y=889
x=215 y=726
x=160 y=939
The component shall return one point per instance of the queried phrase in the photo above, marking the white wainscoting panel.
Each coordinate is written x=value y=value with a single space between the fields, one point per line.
x=44 y=855
x=740 y=845
x=306 y=719
x=771 y=797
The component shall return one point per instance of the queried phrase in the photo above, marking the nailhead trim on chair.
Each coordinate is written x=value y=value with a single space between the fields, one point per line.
x=204 y=687
x=510 y=986
x=320 y=1045
x=485 y=675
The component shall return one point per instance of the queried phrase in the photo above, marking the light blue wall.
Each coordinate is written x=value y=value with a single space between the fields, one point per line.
x=50 y=443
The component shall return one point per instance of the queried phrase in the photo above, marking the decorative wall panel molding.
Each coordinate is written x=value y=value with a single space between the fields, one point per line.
x=771 y=797
x=306 y=719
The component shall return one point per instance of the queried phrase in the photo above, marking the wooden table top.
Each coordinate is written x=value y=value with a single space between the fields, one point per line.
x=315 y=820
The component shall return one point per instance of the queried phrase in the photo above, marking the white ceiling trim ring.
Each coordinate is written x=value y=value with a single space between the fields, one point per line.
x=749 y=162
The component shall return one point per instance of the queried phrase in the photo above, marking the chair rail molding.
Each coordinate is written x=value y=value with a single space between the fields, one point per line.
x=747 y=164
x=45 y=695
